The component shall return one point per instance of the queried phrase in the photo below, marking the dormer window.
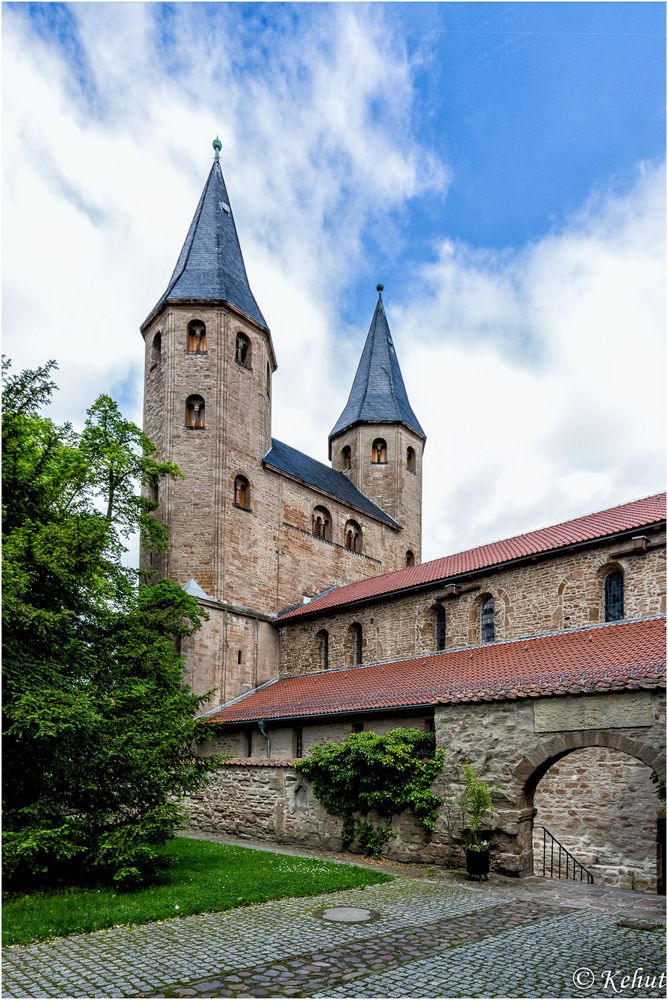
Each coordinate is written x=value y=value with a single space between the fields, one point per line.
x=410 y=459
x=195 y=413
x=379 y=452
x=321 y=524
x=353 y=536
x=243 y=351
x=196 y=337
x=242 y=493
x=347 y=457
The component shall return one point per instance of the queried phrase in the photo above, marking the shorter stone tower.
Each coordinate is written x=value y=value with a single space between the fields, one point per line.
x=378 y=441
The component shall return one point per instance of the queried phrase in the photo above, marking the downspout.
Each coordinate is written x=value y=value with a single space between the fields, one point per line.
x=261 y=727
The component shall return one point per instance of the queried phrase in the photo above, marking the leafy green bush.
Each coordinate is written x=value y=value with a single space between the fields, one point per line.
x=370 y=773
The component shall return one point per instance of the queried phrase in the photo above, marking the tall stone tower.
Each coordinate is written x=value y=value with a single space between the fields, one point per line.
x=209 y=361
x=378 y=441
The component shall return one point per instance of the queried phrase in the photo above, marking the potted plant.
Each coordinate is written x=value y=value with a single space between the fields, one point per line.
x=475 y=802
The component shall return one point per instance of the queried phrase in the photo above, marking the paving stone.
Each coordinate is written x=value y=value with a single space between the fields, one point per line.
x=429 y=940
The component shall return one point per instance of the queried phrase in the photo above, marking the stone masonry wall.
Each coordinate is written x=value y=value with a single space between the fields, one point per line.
x=283 y=738
x=510 y=744
x=602 y=806
x=562 y=592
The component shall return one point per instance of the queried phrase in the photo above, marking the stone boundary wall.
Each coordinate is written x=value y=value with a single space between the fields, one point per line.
x=511 y=745
x=268 y=800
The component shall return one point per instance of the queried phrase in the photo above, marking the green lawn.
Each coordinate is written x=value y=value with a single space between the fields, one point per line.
x=205 y=877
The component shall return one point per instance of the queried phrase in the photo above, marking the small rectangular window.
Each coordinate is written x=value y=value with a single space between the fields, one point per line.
x=357 y=727
x=297 y=743
x=239 y=656
x=429 y=726
x=249 y=743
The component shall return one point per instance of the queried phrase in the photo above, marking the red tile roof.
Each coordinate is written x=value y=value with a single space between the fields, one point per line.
x=637 y=514
x=600 y=658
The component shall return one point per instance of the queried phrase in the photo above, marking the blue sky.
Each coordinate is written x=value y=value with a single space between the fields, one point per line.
x=498 y=166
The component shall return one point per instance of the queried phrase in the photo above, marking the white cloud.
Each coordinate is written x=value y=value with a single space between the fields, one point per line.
x=540 y=377
x=536 y=373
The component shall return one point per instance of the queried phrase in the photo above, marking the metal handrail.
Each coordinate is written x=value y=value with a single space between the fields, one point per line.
x=573 y=866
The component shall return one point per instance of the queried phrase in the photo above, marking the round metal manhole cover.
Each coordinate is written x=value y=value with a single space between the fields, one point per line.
x=347 y=914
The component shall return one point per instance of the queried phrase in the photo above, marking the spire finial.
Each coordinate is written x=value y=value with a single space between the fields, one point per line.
x=217 y=146
x=379 y=288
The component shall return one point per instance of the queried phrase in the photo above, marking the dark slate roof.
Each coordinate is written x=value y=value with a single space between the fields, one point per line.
x=296 y=464
x=211 y=267
x=378 y=394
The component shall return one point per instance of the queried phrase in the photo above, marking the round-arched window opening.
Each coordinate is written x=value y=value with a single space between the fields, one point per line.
x=487 y=620
x=353 y=536
x=410 y=558
x=196 y=336
x=410 y=459
x=321 y=524
x=347 y=457
x=379 y=452
x=242 y=493
x=323 y=647
x=195 y=413
x=156 y=347
x=243 y=353
x=614 y=596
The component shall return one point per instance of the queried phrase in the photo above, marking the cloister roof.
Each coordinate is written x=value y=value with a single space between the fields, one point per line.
x=615 y=520
x=625 y=655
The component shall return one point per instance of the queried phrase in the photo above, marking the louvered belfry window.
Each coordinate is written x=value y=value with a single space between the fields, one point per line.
x=487 y=620
x=614 y=596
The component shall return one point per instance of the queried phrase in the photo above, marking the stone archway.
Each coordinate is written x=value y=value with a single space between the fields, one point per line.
x=592 y=790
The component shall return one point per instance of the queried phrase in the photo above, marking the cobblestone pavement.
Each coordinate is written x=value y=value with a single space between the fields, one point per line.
x=430 y=939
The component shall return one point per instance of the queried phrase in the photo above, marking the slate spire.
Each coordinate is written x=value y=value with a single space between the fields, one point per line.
x=211 y=267
x=378 y=394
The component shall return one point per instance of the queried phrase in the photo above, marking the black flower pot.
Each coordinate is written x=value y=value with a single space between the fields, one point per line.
x=477 y=864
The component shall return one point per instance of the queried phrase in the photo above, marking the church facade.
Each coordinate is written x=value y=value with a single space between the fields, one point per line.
x=255 y=525
x=324 y=621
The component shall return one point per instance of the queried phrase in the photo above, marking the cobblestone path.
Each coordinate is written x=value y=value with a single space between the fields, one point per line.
x=429 y=940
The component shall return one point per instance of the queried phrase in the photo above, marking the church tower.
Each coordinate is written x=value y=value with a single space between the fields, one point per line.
x=209 y=362
x=378 y=441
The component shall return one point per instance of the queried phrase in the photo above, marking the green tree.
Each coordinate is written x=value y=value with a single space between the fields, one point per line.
x=99 y=731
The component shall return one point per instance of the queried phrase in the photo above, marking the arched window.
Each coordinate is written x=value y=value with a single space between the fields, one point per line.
x=323 y=647
x=439 y=623
x=156 y=346
x=321 y=523
x=268 y=385
x=356 y=634
x=410 y=459
x=487 y=620
x=379 y=452
x=614 y=596
x=347 y=457
x=196 y=336
x=243 y=351
x=195 y=413
x=242 y=493
x=353 y=536
x=410 y=558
